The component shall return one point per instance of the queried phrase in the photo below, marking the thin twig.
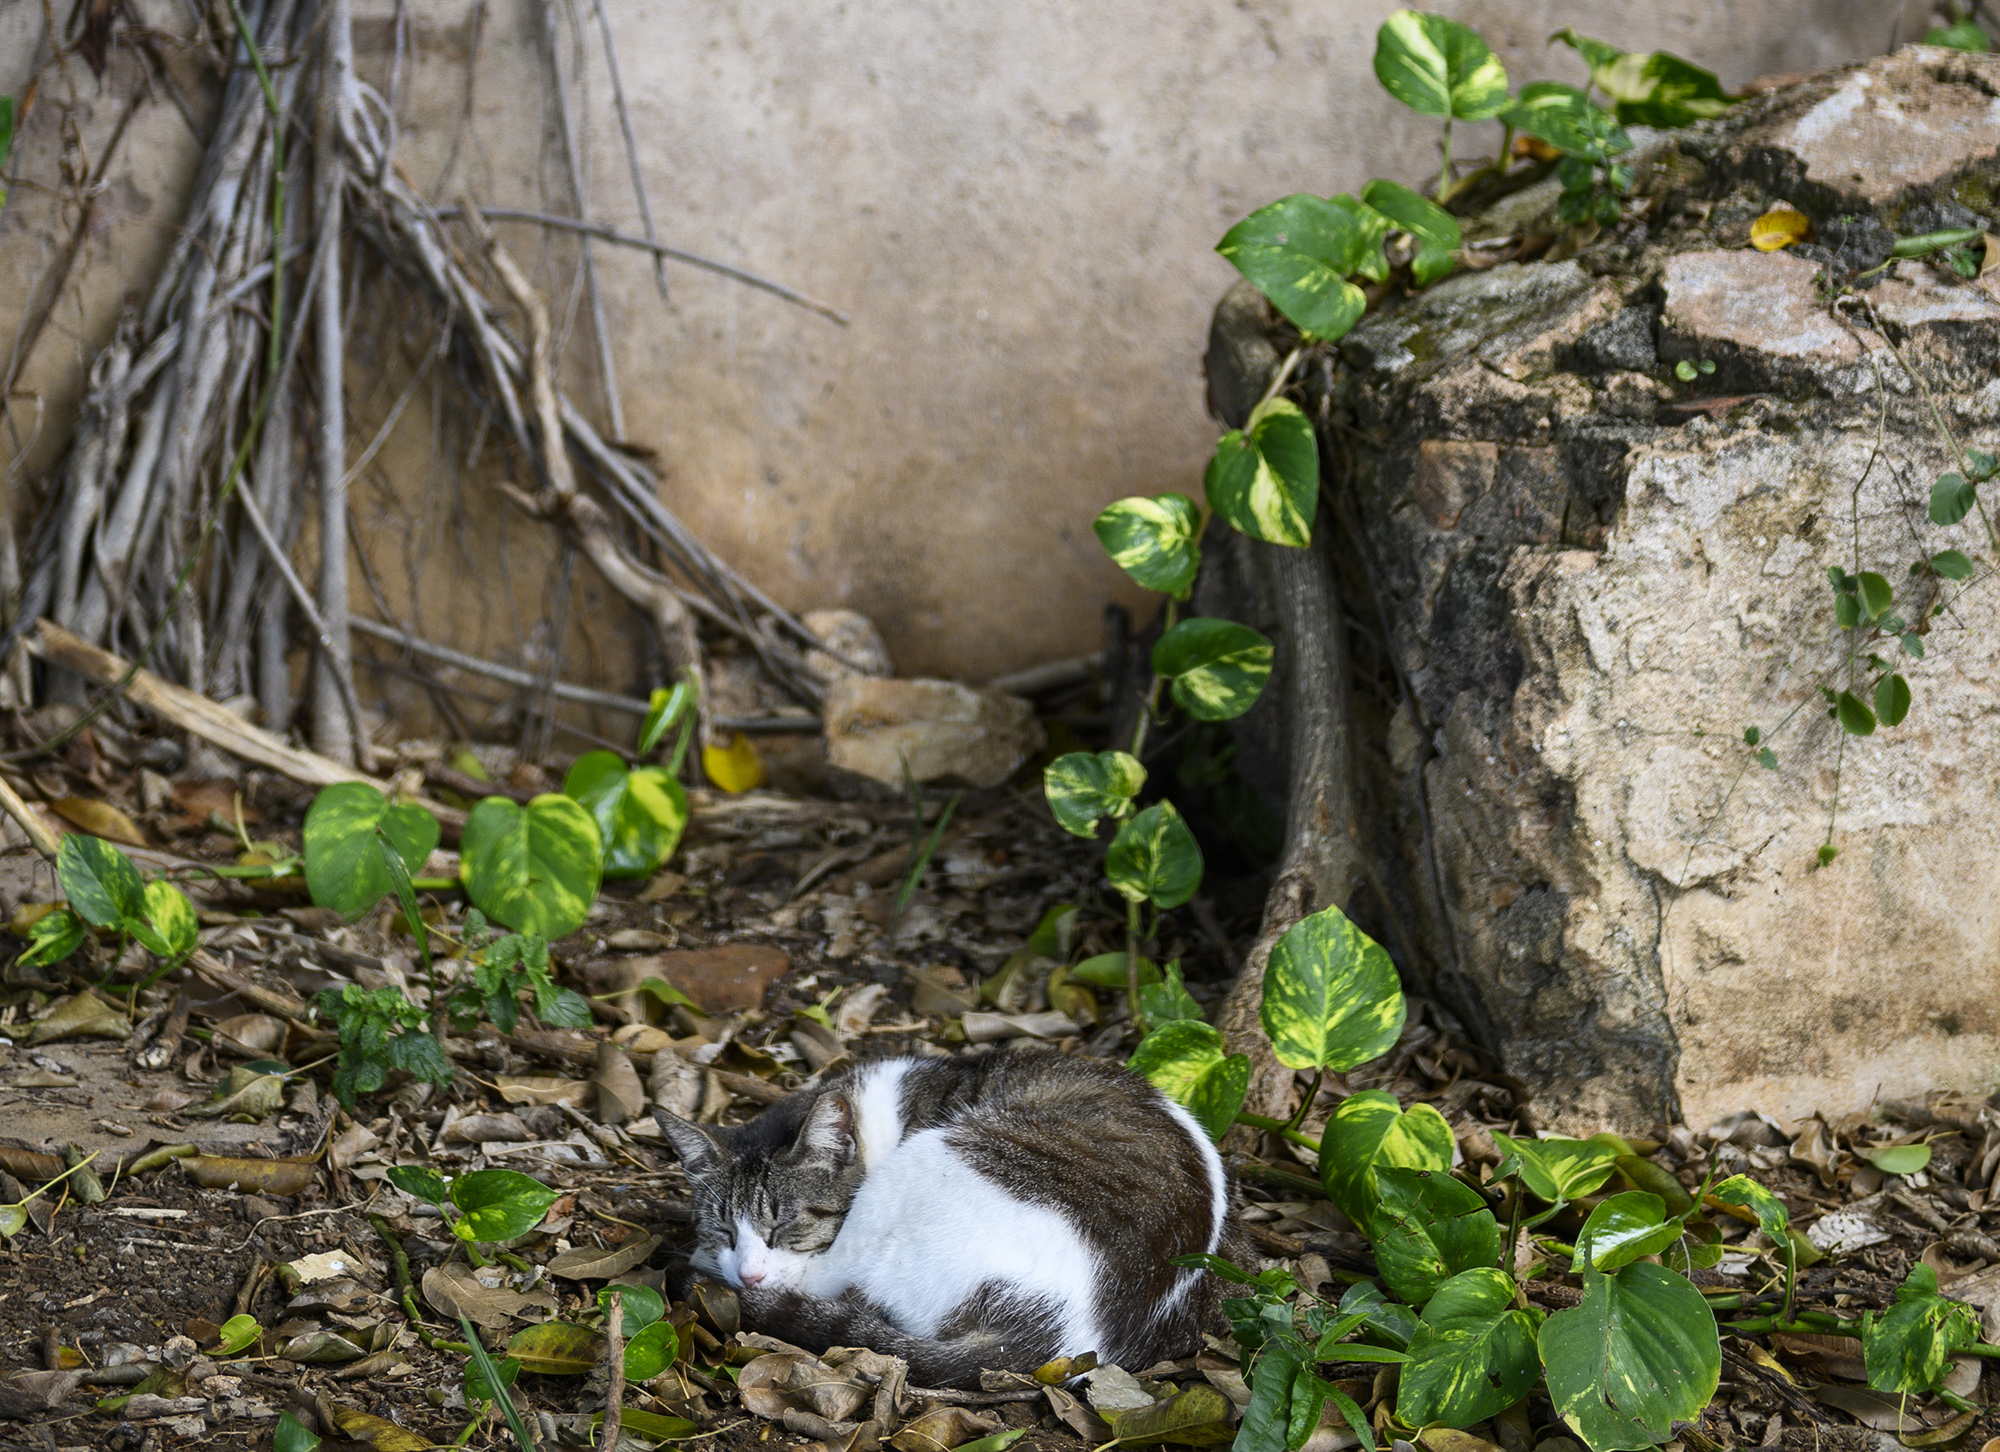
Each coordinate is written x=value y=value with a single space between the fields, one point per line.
x=330 y=730
x=607 y=367
x=658 y=249
x=631 y=145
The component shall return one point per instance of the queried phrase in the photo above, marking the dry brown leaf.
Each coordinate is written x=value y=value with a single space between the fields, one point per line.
x=1835 y=1355
x=456 y=1290
x=620 y=1096
x=589 y=1263
x=378 y=1432
x=1079 y=1418
x=1879 y=1410
x=84 y=1016
x=23 y=1393
x=943 y=1428
x=780 y=1379
x=257 y=1035
x=263 y=1177
x=100 y=819
x=1814 y=1148
x=321 y=1348
x=542 y=1089
x=1446 y=1439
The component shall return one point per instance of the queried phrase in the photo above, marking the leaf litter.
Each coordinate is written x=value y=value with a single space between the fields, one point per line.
x=231 y=1190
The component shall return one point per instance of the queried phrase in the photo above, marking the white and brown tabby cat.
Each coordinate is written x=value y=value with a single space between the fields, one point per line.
x=966 y=1213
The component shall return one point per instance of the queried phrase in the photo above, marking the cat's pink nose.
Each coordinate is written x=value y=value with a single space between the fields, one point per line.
x=752 y=1277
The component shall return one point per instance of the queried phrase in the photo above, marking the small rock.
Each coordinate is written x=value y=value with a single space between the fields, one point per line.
x=947 y=732
x=719 y=980
x=855 y=637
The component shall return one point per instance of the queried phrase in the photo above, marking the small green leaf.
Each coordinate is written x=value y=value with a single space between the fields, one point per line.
x=663 y=709
x=1827 y=852
x=420 y=1183
x=1217 y=666
x=651 y=1351
x=1369 y=1129
x=1768 y=759
x=1266 y=483
x=1332 y=999
x=344 y=866
x=1896 y=1159
x=1195 y=1417
x=1374 y=227
x=173 y=920
x=1963 y=35
x=499 y=1204
x=640 y=814
x=1154 y=856
x=1684 y=370
x=1298 y=252
x=1952 y=498
x=102 y=885
x=1853 y=714
x=1569 y=121
x=1639 y=1354
x=1772 y=1217
x=1876 y=593
x=1621 y=177
x=557 y=1348
x=642 y=1307
x=1473 y=1354
x=1436 y=231
x=477 y=1389
x=1650 y=88
x=1556 y=1169
x=1082 y=788
x=1428 y=1228
x=1623 y=1228
x=237 y=1333
x=290 y=1435
x=1892 y=700
x=1184 y=1061
x=54 y=936
x=1952 y=564
x=1980 y=465
x=1153 y=541
x=1908 y=1348
x=1752 y=735
x=1108 y=970
x=1925 y=243
x=1168 y=1001
x=535 y=868
x=1439 y=67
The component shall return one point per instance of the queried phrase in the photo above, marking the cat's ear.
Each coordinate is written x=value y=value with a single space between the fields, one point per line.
x=700 y=1155
x=827 y=1136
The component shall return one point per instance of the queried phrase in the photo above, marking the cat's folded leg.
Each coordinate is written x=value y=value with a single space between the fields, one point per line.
x=1018 y=1338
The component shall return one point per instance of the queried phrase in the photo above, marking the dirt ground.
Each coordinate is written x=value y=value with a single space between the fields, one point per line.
x=775 y=906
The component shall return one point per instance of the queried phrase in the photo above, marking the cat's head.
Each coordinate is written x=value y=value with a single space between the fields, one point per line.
x=771 y=1194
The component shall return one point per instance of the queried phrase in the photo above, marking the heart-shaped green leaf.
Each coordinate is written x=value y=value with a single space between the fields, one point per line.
x=1473 y=1354
x=1298 y=252
x=102 y=885
x=1152 y=540
x=1217 y=666
x=1853 y=714
x=1184 y=1061
x=344 y=866
x=640 y=814
x=1952 y=564
x=1650 y=88
x=1370 y=1129
x=1624 y=1227
x=651 y=1351
x=642 y=1306
x=1556 y=1169
x=1892 y=699
x=535 y=868
x=173 y=931
x=1266 y=482
x=1569 y=121
x=1331 y=996
x=1154 y=856
x=1439 y=67
x=1436 y=231
x=1082 y=787
x=1952 y=499
x=54 y=936
x=1427 y=1228
x=499 y=1204
x=1639 y=1354
x=419 y=1183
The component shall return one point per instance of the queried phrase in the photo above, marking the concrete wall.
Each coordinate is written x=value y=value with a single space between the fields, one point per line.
x=1017 y=204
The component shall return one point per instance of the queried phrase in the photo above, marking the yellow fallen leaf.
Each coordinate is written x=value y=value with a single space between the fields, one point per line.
x=1780 y=227
x=736 y=767
x=100 y=819
x=251 y=1176
x=378 y=1432
x=1991 y=258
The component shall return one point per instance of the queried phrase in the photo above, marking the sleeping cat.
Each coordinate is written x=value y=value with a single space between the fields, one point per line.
x=992 y=1212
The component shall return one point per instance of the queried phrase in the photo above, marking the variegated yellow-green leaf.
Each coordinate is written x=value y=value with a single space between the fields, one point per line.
x=1439 y=66
x=1155 y=856
x=1623 y=1227
x=1436 y=230
x=1427 y=1229
x=1168 y=1001
x=1266 y=482
x=535 y=868
x=1557 y=1169
x=1217 y=666
x=1370 y=1129
x=1473 y=1355
x=1650 y=88
x=1374 y=229
x=53 y=937
x=1082 y=787
x=640 y=814
x=1152 y=540
x=171 y=929
x=1909 y=1347
x=1298 y=252
x=1331 y=996
x=102 y=885
x=1772 y=1216
x=1639 y=1354
x=557 y=1348
x=1184 y=1061
x=344 y=866
x=1569 y=121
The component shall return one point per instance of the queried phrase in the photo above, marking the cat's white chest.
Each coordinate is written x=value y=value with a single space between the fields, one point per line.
x=926 y=1233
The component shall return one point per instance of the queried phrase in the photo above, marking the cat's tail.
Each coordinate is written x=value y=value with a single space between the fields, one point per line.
x=1012 y=1334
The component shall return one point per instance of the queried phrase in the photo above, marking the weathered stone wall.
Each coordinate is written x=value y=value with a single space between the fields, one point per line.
x=1017 y=203
x=1597 y=576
